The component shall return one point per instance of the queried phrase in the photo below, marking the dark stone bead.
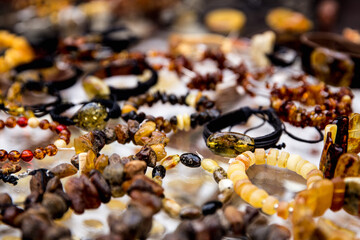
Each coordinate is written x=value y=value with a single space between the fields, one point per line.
x=5 y=201
x=202 y=101
x=133 y=115
x=250 y=215
x=203 y=118
x=99 y=140
x=110 y=135
x=209 y=104
x=101 y=185
x=173 y=99
x=182 y=99
x=9 y=215
x=140 y=117
x=214 y=226
x=173 y=120
x=114 y=158
x=190 y=212
x=164 y=98
x=184 y=231
x=211 y=207
x=190 y=160
x=150 y=118
x=193 y=120
x=156 y=96
x=55 y=205
x=148 y=155
x=133 y=127
x=159 y=170
x=133 y=168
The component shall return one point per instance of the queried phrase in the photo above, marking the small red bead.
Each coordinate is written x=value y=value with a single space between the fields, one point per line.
x=60 y=127
x=27 y=155
x=22 y=121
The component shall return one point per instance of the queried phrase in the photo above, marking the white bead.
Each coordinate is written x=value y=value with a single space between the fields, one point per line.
x=82 y=161
x=225 y=184
x=60 y=143
x=33 y=122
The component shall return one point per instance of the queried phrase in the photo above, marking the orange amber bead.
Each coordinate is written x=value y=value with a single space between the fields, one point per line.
x=338 y=195
x=39 y=153
x=10 y=122
x=27 y=155
x=283 y=210
x=44 y=124
x=240 y=184
x=14 y=156
x=324 y=190
x=2 y=124
x=246 y=191
x=257 y=197
x=51 y=150
x=53 y=126
x=269 y=205
x=3 y=155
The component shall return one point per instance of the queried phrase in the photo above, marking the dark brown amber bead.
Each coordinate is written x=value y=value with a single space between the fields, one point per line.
x=65 y=132
x=53 y=126
x=3 y=155
x=2 y=124
x=44 y=124
x=10 y=122
x=338 y=194
x=65 y=138
x=27 y=155
x=51 y=150
x=39 y=153
x=14 y=156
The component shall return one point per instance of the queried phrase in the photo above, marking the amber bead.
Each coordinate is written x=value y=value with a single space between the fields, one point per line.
x=14 y=156
x=27 y=155
x=53 y=126
x=190 y=160
x=59 y=128
x=51 y=150
x=283 y=210
x=269 y=205
x=44 y=124
x=65 y=132
x=348 y=165
x=22 y=122
x=257 y=197
x=2 y=124
x=352 y=196
x=240 y=184
x=65 y=138
x=10 y=122
x=354 y=133
x=209 y=165
x=170 y=161
x=219 y=174
x=338 y=195
x=324 y=191
x=39 y=153
x=3 y=155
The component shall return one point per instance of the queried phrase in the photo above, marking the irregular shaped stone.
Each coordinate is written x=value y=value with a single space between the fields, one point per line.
x=145 y=130
x=148 y=203
x=352 y=196
x=84 y=143
x=95 y=87
x=148 y=155
x=143 y=183
x=122 y=133
x=91 y=116
x=55 y=205
x=159 y=150
x=101 y=185
x=64 y=170
x=354 y=133
x=86 y=162
x=134 y=168
x=101 y=162
x=348 y=165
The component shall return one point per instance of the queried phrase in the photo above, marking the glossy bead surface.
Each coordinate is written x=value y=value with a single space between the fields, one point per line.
x=352 y=196
x=60 y=143
x=209 y=165
x=10 y=122
x=27 y=155
x=283 y=210
x=22 y=122
x=39 y=153
x=171 y=207
x=211 y=207
x=190 y=160
x=51 y=150
x=14 y=156
x=332 y=129
x=170 y=161
x=251 y=156
x=44 y=124
x=324 y=191
x=257 y=197
x=219 y=174
x=283 y=158
x=2 y=124
x=229 y=144
x=338 y=195
x=91 y=116
x=244 y=159
x=240 y=184
x=145 y=130
x=246 y=191
x=190 y=212
x=3 y=155
x=225 y=184
x=159 y=170
x=60 y=128
x=348 y=165
x=33 y=122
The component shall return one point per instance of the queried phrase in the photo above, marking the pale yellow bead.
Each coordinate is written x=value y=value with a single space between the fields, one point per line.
x=171 y=207
x=60 y=143
x=186 y=120
x=209 y=165
x=306 y=168
x=180 y=122
x=269 y=205
x=238 y=175
x=251 y=156
x=238 y=166
x=299 y=165
x=330 y=128
x=272 y=157
x=260 y=156
x=246 y=191
x=310 y=181
x=190 y=99
x=244 y=159
x=257 y=197
x=293 y=161
x=283 y=158
x=33 y=122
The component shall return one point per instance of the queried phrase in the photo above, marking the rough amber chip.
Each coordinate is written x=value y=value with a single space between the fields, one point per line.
x=348 y=165
x=230 y=144
x=352 y=196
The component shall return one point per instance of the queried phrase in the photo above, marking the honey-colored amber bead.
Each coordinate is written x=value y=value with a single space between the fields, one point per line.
x=238 y=175
x=246 y=191
x=299 y=166
x=128 y=108
x=338 y=195
x=283 y=158
x=257 y=197
x=2 y=124
x=348 y=165
x=292 y=161
x=283 y=210
x=186 y=120
x=14 y=156
x=311 y=180
x=237 y=166
x=324 y=191
x=180 y=122
x=332 y=128
x=352 y=196
x=159 y=150
x=170 y=161
x=39 y=153
x=272 y=157
x=260 y=156
x=329 y=231
x=244 y=159
x=315 y=172
x=307 y=198
x=44 y=124
x=209 y=165
x=269 y=205
x=3 y=155
x=354 y=133
x=145 y=130
x=51 y=150
x=240 y=184
x=10 y=122
x=306 y=168
x=251 y=156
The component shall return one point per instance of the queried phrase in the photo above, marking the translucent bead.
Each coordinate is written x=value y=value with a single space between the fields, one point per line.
x=338 y=195
x=315 y=172
x=171 y=207
x=159 y=170
x=283 y=158
x=306 y=168
x=237 y=166
x=272 y=157
x=352 y=196
x=219 y=174
x=244 y=159
x=260 y=156
x=44 y=124
x=225 y=184
x=283 y=210
x=229 y=144
x=95 y=87
x=246 y=191
x=60 y=143
x=2 y=124
x=332 y=128
x=145 y=130
x=91 y=116
x=39 y=153
x=311 y=180
x=33 y=122
x=257 y=197
x=324 y=190
x=348 y=165
x=354 y=133
x=209 y=165
x=269 y=205
x=293 y=160
x=186 y=120
x=240 y=184
x=128 y=108
x=10 y=122
x=180 y=122
x=238 y=175
x=159 y=150
x=299 y=165
x=3 y=155
x=14 y=156
x=51 y=150
x=170 y=161
x=251 y=156
x=27 y=155
x=22 y=122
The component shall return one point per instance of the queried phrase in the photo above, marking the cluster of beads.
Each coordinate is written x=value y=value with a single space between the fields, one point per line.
x=259 y=198
x=205 y=110
x=328 y=104
x=39 y=153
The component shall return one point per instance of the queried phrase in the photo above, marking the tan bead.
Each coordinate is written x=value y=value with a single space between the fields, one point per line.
x=60 y=143
x=310 y=181
x=171 y=207
x=272 y=157
x=240 y=184
x=283 y=158
x=306 y=168
x=244 y=159
x=269 y=205
x=246 y=191
x=238 y=175
x=293 y=160
x=260 y=156
x=209 y=165
x=251 y=156
x=299 y=165
x=238 y=166
x=257 y=197
x=33 y=122
x=283 y=210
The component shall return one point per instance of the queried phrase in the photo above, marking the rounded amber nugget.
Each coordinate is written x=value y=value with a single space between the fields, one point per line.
x=14 y=156
x=3 y=155
x=39 y=153
x=51 y=150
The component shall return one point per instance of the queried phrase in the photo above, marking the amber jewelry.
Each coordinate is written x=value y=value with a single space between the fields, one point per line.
x=259 y=198
x=327 y=104
x=19 y=51
x=205 y=108
x=39 y=153
x=93 y=115
x=230 y=144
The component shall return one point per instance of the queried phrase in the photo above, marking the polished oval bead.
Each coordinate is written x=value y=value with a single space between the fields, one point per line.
x=190 y=212
x=209 y=165
x=230 y=144
x=352 y=196
x=190 y=160
x=159 y=170
x=3 y=155
x=27 y=155
x=14 y=156
x=219 y=174
x=211 y=207
x=348 y=165
x=170 y=161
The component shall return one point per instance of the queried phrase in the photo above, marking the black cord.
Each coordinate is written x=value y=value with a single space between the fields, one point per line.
x=305 y=140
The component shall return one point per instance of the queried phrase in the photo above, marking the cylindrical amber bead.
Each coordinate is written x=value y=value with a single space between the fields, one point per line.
x=240 y=184
x=283 y=158
x=260 y=156
x=257 y=197
x=251 y=156
x=324 y=191
x=269 y=205
x=246 y=191
x=338 y=195
x=245 y=160
x=238 y=175
x=272 y=157
x=237 y=166
x=170 y=161
x=283 y=210
x=292 y=161
x=209 y=165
